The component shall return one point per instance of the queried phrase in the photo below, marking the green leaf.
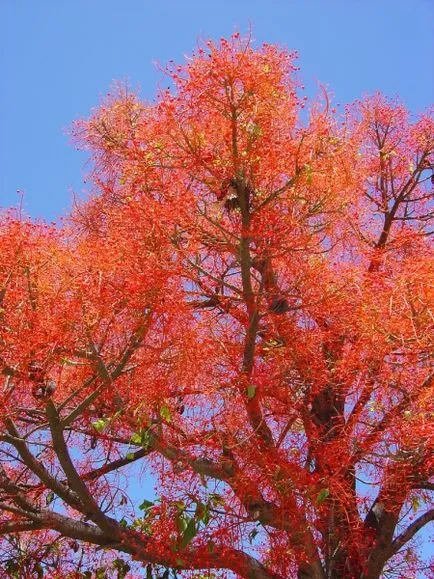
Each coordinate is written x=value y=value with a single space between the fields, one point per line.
x=136 y=438
x=216 y=499
x=122 y=568
x=145 y=505
x=100 y=424
x=206 y=516
x=50 y=498
x=165 y=413
x=182 y=523
x=129 y=456
x=322 y=495
x=145 y=438
x=251 y=391
x=202 y=513
x=189 y=533
x=141 y=438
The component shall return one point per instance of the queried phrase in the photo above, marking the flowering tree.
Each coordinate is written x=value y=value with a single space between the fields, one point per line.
x=243 y=308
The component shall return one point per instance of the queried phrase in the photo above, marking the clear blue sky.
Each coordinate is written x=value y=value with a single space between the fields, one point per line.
x=58 y=57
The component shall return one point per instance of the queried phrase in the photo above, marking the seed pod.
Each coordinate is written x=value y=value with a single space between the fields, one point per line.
x=43 y=390
x=278 y=305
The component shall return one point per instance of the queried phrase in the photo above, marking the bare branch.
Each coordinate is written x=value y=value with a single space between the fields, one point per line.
x=410 y=531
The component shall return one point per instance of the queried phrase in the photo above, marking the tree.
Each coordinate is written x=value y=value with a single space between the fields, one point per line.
x=244 y=307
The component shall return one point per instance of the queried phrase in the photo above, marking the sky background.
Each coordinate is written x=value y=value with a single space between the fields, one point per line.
x=59 y=57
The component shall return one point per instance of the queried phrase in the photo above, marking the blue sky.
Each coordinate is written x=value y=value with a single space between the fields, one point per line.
x=59 y=57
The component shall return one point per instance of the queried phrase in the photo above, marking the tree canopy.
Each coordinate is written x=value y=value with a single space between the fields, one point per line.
x=243 y=310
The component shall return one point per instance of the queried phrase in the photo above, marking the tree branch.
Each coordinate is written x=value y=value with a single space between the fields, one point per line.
x=410 y=531
x=9 y=527
x=39 y=470
x=74 y=479
x=116 y=464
